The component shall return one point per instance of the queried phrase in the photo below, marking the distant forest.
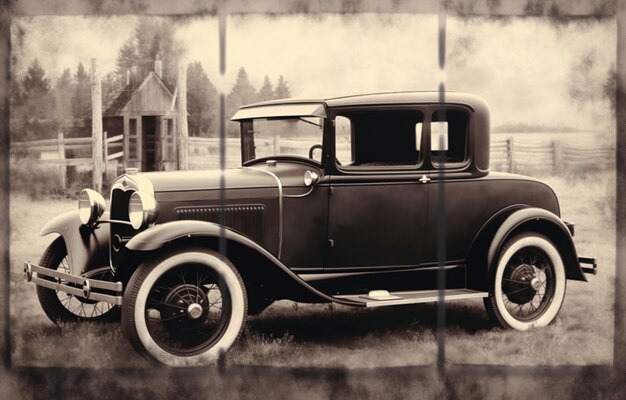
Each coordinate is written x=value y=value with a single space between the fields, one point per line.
x=40 y=107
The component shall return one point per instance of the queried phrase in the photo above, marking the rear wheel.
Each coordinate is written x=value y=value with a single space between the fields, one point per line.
x=529 y=283
x=184 y=308
x=64 y=307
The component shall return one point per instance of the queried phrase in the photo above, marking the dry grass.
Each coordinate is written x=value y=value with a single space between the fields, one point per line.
x=323 y=336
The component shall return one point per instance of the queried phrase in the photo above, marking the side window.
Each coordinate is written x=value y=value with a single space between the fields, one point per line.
x=439 y=136
x=418 y=135
x=343 y=140
x=449 y=137
x=371 y=138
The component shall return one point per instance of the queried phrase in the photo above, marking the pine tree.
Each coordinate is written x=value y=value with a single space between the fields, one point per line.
x=81 y=75
x=81 y=99
x=152 y=39
x=267 y=91
x=65 y=80
x=202 y=101
x=126 y=59
x=241 y=93
x=35 y=83
x=109 y=86
x=282 y=90
x=63 y=90
x=243 y=90
x=34 y=114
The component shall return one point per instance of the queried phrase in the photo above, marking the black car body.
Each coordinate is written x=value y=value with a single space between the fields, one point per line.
x=366 y=201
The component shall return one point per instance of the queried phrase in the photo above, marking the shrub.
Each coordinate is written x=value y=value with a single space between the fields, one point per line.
x=30 y=178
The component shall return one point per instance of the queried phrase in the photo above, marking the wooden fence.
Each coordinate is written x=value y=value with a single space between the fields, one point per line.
x=517 y=155
x=205 y=152
x=507 y=153
x=65 y=152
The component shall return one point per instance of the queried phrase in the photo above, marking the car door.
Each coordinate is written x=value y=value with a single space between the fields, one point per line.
x=376 y=221
x=378 y=201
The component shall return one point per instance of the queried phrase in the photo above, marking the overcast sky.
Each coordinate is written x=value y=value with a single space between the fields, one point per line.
x=524 y=67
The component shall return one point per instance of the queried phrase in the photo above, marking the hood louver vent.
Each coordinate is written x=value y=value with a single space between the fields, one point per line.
x=246 y=219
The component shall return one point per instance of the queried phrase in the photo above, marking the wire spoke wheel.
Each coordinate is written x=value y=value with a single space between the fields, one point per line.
x=188 y=309
x=64 y=307
x=529 y=283
x=184 y=308
x=80 y=306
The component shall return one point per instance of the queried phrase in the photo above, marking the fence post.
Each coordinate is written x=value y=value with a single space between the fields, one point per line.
x=106 y=152
x=96 y=126
x=510 y=152
x=277 y=145
x=62 y=167
x=182 y=136
x=558 y=154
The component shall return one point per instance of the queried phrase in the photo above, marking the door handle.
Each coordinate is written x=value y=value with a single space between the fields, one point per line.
x=424 y=179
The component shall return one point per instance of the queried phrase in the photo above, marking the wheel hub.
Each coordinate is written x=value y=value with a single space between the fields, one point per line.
x=535 y=284
x=194 y=311
x=521 y=283
x=184 y=305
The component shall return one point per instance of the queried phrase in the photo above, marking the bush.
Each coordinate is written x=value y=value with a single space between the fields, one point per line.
x=30 y=178
x=78 y=180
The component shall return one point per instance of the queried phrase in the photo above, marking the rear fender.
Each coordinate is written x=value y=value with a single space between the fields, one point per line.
x=487 y=246
x=87 y=247
x=257 y=266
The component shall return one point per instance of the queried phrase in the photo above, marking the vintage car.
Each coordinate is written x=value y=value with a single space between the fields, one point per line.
x=367 y=201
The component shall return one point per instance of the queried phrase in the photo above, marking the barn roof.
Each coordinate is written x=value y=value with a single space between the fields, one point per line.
x=119 y=100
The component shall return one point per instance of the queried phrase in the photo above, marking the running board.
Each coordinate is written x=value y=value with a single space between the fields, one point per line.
x=381 y=298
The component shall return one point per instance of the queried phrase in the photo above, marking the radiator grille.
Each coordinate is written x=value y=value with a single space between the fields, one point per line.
x=247 y=219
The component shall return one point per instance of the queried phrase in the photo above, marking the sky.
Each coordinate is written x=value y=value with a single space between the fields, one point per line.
x=523 y=66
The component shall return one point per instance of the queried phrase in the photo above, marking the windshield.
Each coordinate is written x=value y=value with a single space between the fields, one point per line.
x=297 y=136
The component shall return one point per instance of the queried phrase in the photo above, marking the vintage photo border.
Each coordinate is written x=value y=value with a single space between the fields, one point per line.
x=317 y=382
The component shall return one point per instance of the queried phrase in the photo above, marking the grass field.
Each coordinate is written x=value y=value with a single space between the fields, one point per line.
x=287 y=334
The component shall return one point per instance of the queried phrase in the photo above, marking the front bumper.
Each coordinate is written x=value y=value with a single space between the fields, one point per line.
x=90 y=289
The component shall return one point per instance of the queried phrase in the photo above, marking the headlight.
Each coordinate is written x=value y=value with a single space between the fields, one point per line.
x=142 y=210
x=90 y=206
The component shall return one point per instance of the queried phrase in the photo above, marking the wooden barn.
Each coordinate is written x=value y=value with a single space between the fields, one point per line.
x=145 y=112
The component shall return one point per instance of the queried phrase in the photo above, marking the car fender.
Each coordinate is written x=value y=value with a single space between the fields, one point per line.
x=487 y=245
x=543 y=222
x=87 y=247
x=161 y=235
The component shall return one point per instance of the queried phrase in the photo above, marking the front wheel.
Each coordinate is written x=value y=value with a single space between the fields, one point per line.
x=529 y=283
x=184 y=308
x=63 y=307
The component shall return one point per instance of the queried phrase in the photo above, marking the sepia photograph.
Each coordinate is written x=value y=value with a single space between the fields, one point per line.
x=354 y=200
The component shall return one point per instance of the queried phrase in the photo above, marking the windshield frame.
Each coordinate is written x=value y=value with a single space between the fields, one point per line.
x=248 y=137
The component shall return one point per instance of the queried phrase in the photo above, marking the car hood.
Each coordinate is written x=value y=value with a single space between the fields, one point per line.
x=238 y=178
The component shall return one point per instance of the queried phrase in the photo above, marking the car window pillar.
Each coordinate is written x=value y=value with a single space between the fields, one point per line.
x=247 y=140
x=425 y=144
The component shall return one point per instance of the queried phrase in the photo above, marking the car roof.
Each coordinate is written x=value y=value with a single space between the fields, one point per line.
x=295 y=107
x=408 y=97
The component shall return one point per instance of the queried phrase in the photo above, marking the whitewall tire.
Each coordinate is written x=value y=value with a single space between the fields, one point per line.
x=184 y=308
x=529 y=283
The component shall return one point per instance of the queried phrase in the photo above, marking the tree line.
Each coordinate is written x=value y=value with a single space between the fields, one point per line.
x=41 y=107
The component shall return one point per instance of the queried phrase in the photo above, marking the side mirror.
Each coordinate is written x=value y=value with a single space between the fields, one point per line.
x=311 y=178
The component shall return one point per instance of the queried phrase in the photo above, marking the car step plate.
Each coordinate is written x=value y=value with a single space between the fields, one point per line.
x=381 y=298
